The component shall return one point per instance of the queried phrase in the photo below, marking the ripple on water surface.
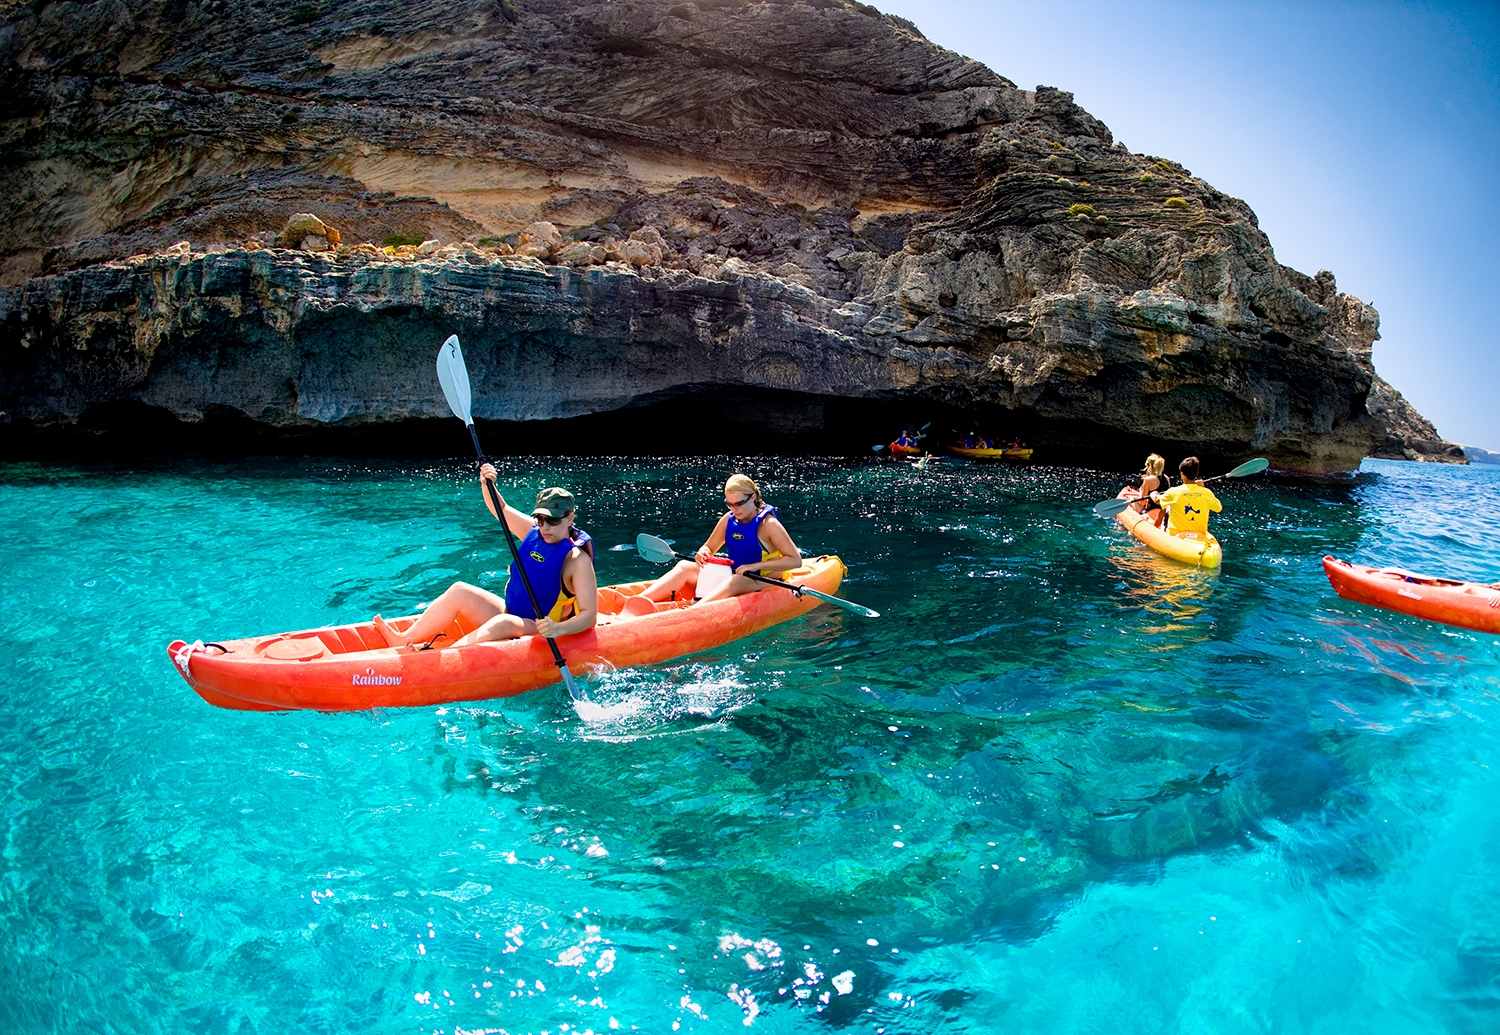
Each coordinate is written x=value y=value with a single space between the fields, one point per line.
x=1064 y=785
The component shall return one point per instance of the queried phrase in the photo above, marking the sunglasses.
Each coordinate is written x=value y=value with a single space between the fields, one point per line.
x=737 y=503
x=550 y=522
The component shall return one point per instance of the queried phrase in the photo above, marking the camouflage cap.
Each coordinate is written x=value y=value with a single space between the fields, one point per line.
x=554 y=503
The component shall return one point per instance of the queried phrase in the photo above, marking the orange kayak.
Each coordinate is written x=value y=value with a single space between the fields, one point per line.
x=1450 y=601
x=349 y=668
x=900 y=450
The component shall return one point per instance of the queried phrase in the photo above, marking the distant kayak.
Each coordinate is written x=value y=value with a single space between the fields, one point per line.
x=1471 y=605
x=900 y=450
x=975 y=453
x=348 y=667
x=1199 y=548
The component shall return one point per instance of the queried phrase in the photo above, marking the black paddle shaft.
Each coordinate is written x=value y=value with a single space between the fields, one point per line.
x=515 y=550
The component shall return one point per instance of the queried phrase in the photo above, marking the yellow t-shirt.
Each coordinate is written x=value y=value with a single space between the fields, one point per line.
x=1188 y=507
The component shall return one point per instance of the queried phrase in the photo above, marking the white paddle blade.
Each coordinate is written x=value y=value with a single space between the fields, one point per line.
x=655 y=550
x=1249 y=467
x=454 y=377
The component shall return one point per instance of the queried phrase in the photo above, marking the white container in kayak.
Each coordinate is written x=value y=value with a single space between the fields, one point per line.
x=712 y=574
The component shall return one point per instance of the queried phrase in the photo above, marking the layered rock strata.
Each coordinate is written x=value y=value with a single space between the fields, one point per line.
x=805 y=201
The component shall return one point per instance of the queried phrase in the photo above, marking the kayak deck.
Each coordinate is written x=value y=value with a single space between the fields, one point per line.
x=1470 y=605
x=350 y=668
x=1198 y=548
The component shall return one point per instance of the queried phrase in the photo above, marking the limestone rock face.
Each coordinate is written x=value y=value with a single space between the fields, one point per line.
x=804 y=198
x=1407 y=434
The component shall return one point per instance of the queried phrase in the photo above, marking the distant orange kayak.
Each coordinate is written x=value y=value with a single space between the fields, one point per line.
x=349 y=668
x=1471 y=605
x=900 y=450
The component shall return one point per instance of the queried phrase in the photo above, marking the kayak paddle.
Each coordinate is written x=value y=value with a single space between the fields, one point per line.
x=658 y=552
x=1109 y=508
x=454 y=377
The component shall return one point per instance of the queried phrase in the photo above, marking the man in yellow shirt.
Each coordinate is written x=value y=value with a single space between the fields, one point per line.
x=1189 y=504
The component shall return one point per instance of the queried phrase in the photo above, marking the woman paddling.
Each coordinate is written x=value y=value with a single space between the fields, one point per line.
x=753 y=537
x=559 y=559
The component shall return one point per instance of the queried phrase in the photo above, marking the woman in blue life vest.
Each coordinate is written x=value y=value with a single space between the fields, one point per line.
x=559 y=559
x=752 y=536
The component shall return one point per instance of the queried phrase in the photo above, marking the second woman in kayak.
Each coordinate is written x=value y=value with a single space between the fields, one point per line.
x=753 y=537
x=559 y=559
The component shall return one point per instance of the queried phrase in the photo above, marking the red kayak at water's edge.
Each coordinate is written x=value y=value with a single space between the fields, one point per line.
x=1471 y=605
x=349 y=667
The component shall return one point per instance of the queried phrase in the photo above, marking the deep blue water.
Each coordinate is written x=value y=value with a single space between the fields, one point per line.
x=1062 y=785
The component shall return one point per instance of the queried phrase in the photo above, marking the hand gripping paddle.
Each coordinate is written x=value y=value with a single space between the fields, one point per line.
x=454 y=377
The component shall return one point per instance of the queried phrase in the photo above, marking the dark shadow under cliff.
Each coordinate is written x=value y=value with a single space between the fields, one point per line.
x=708 y=422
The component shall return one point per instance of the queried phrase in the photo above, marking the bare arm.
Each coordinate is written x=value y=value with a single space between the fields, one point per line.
x=580 y=580
x=780 y=541
x=714 y=541
x=519 y=523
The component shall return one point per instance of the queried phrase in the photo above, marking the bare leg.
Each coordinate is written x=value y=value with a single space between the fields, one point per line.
x=501 y=627
x=477 y=605
x=735 y=586
x=674 y=580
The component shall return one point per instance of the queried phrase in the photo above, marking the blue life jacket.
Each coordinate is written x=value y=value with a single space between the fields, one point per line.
x=742 y=539
x=544 y=564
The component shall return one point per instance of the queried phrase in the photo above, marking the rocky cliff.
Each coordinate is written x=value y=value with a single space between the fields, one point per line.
x=801 y=218
x=1408 y=434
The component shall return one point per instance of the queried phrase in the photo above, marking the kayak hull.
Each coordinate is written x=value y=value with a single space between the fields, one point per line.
x=1450 y=601
x=348 y=667
x=1199 y=549
x=898 y=450
x=990 y=454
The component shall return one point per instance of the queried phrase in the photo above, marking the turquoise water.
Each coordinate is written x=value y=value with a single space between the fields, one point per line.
x=1062 y=786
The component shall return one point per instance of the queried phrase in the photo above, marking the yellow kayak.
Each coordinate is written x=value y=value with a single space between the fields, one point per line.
x=990 y=454
x=1199 y=548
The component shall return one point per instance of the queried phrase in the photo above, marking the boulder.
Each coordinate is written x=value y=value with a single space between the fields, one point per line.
x=301 y=226
x=579 y=253
x=539 y=240
x=640 y=253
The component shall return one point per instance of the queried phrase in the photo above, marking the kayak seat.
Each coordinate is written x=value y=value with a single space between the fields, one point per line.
x=611 y=601
x=638 y=607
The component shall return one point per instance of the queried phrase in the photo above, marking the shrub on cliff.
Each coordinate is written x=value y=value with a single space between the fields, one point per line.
x=1080 y=209
x=1176 y=203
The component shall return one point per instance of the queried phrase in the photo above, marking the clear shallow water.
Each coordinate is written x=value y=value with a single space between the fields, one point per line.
x=1128 y=796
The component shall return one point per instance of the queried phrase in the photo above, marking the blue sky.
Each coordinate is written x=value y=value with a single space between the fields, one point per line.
x=1366 y=136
